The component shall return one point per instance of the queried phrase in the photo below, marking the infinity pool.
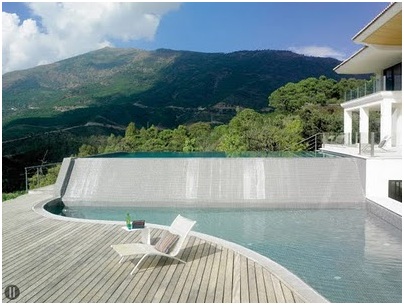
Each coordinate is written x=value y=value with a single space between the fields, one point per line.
x=347 y=255
x=251 y=154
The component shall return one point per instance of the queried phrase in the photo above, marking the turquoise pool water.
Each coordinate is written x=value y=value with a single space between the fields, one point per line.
x=347 y=255
x=271 y=154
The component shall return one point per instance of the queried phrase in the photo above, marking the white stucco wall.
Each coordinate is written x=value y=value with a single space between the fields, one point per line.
x=378 y=173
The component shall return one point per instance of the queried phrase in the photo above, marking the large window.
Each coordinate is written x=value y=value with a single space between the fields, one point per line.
x=393 y=77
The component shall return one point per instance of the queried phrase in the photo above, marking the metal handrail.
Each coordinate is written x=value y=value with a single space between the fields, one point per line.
x=316 y=141
x=38 y=168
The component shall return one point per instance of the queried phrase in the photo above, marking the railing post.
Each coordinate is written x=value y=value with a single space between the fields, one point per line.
x=26 y=180
x=315 y=143
x=37 y=176
x=372 y=144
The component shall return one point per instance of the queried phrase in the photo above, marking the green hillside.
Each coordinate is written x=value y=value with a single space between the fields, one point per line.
x=112 y=87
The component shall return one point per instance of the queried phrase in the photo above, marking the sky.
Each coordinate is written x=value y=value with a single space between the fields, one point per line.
x=39 y=33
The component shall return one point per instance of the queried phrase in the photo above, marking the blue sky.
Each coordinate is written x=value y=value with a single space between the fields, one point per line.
x=40 y=33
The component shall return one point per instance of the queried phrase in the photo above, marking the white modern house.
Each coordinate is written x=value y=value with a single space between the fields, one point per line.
x=381 y=56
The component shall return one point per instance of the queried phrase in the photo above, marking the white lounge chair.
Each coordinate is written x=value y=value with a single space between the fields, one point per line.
x=169 y=245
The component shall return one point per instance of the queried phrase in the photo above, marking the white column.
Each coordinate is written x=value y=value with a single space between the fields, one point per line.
x=364 y=125
x=386 y=121
x=397 y=125
x=347 y=127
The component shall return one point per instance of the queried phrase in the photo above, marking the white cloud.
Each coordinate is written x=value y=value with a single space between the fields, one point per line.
x=68 y=29
x=318 y=51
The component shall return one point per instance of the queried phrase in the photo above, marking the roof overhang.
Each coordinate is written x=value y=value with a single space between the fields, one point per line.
x=382 y=40
x=370 y=60
x=385 y=29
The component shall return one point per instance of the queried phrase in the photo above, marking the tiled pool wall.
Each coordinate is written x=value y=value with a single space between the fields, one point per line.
x=238 y=182
x=385 y=214
x=262 y=182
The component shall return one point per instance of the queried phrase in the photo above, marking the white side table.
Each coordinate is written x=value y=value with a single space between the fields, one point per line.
x=145 y=234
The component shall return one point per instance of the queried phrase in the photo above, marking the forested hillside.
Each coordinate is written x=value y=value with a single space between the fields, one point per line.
x=300 y=110
x=112 y=87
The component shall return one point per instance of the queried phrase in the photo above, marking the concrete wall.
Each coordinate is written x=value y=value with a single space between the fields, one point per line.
x=214 y=181
x=63 y=177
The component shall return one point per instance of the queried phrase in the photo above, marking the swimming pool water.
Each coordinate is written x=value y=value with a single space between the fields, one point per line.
x=347 y=255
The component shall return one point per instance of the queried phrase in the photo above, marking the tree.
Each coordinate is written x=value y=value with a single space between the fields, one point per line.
x=178 y=139
x=87 y=150
x=293 y=96
x=41 y=180
x=199 y=133
x=130 y=131
x=239 y=132
x=318 y=119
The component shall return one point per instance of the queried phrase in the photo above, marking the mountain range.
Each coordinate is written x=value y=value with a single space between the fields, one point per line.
x=111 y=87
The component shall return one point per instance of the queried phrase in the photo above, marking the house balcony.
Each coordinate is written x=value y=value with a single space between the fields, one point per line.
x=365 y=145
x=373 y=86
x=388 y=104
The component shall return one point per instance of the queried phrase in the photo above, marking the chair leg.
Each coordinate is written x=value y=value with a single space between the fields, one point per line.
x=145 y=256
x=139 y=262
x=121 y=260
x=176 y=258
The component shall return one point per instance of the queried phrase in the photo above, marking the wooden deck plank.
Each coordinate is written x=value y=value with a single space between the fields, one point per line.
x=179 y=288
x=244 y=293
x=228 y=284
x=219 y=289
x=298 y=298
x=269 y=286
x=112 y=285
x=164 y=283
x=151 y=261
x=58 y=278
x=262 y=293
x=213 y=279
x=287 y=294
x=235 y=295
x=137 y=293
x=52 y=270
x=147 y=292
x=66 y=286
x=74 y=283
x=192 y=276
x=135 y=281
x=170 y=283
x=280 y=298
x=84 y=286
x=252 y=281
x=90 y=271
x=207 y=270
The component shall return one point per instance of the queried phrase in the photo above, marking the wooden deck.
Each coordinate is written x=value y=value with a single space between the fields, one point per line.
x=62 y=261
